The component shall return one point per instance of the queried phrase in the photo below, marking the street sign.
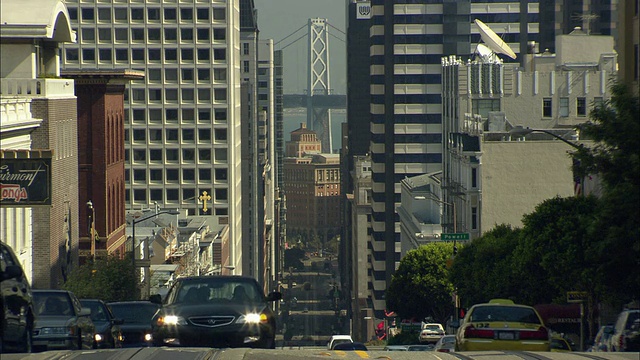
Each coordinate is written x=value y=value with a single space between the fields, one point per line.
x=454 y=236
x=576 y=296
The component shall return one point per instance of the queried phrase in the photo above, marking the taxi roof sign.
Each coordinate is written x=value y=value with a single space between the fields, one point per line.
x=501 y=301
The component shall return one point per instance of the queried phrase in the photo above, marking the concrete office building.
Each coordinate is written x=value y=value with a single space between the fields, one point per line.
x=628 y=43
x=182 y=122
x=38 y=132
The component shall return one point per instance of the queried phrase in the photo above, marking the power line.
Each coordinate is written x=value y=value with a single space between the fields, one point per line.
x=336 y=37
x=294 y=41
x=343 y=33
x=286 y=37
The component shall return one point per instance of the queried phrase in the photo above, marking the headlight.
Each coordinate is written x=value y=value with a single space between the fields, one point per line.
x=148 y=337
x=171 y=320
x=98 y=337
x=55 y=331
x=252 y=318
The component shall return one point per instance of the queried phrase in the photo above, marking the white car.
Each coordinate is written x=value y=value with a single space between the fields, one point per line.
x=446 y=343
x=431 y=333
x=338 y=339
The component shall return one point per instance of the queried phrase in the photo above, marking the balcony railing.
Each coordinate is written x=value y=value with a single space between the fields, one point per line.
x=37 y=87
x=15 y=110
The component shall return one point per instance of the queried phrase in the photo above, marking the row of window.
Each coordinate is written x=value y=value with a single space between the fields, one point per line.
x=172 y=196
x=171 y=135
x=153 y=14
x=171 y=95
x=188 y=55
x=173 y=156
x=173 y=175
x=563 y=106
x=124 y=35
x=187 y=115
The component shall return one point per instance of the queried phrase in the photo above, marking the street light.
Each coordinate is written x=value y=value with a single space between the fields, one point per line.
x=134 y=221
x=92 y=228
x=520 y=131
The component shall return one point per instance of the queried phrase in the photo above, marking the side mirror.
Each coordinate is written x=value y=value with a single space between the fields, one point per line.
x=156 y=299
x=11 y=272
x=85 y=312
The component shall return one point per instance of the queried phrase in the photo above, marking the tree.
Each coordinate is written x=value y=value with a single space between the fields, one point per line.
x=482 y=270
x=108 y=279
x=293 y=258
x=420 y=288
x=615 y=159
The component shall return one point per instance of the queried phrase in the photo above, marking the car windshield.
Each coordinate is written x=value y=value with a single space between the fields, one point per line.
x=134 y=313
x=449 y=339
x=48 y=304
x=633 y=316
x=98 y=311
x=214 y=290
x=432 y=327
x=504 y=313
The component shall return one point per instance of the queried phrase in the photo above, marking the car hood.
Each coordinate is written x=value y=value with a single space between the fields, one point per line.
x=102 y=326
x=53 y=321
x=135 y=327
x=187 y=310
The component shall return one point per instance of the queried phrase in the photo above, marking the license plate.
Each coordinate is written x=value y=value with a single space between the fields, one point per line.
x=503 y=335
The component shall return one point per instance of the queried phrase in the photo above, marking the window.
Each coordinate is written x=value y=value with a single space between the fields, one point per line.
x=221 y=174
x=202 y=14
x=171 y=115
x=137 y=14
x=153 y=14
x=137 y=95
x=122 y=55
x=188 y=116
x=170 y=15
x=189 y=155
x=155 y=115
x=172 y=194
x=564 y=107
x=220 y=115
x=88 y=14
x=104 y=34
x=221 y=194
x=474 y=218
x=245 y=48
x=187 y=95
x=581 y=106
x=173 y=175
x=245 y=66
x=154 y=54
x=186 y=34
x=220 y=95
x=188 y=195
x=220 y=54
x=171 y=135
x=474 y=178
x=137 y=34
x=219 y=34
x=186 y=14
x=122 y=35
x=155 y=174
x=104 y=14
x=219 y=14
x=72 y=54
x=155 y=155
x=204 y=155
x=204 y=115
x=202 y=34
x=171 y=155
x=104 y=55
x=155 y=135
x=120 y=14
x=204 y=135
x=88 y=55
x=204 y=75
x=171 y=75
x=73 y=13
x=139 y=175
x=188 y=135
x=204 y=55
x=188 y=175
x=139 y=155
x=137 y=54
x=154 y=75
x=88 y=35
x=220 y=74
x=546 y=107
x=153 y=34
x=155 y=94
x=204 y=95
x=221 y=134
x=221 y=155
x=140 y=195
x=139 y=115
x=170 y=54
x=155 y=194
x=204 y=175
x=186 y=55
x=187 y=75
x=170 y=34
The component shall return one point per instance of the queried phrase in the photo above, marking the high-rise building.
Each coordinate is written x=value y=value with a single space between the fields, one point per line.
x=628 y=43
x=182 y=122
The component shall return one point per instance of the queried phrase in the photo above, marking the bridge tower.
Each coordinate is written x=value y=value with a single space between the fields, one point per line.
x=318 y=117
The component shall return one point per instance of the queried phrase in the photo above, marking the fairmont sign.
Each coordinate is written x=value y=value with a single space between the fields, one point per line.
x=25 y=182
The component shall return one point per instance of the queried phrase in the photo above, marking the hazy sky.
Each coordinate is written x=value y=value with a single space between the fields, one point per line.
x=279 y=18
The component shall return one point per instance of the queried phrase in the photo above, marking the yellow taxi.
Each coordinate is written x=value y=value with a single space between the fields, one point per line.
x=501 y=324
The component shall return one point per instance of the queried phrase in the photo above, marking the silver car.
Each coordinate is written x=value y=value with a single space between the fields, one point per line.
x=61 y=322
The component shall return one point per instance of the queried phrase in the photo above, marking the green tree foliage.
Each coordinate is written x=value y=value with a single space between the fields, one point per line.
x=293 y=258
x=483 y=270
x=108 y=279
x=615 y=159
x=420 y=288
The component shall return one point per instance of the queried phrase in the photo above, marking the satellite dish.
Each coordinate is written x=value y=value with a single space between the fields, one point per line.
x=493 y=41
x=484 y=51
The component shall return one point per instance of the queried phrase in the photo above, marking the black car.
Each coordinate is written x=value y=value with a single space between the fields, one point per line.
x=350 y=346
x=16 y=304
x=137 y=317
x=216 y=311
x=108 y=334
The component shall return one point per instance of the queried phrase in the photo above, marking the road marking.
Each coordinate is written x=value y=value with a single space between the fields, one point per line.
x=362 y=354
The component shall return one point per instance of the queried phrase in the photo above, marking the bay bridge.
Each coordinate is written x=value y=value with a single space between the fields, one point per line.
x=318 y=98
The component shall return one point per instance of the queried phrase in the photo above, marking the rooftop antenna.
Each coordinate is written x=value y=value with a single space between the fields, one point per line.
x=586 y=20
x=492 y=42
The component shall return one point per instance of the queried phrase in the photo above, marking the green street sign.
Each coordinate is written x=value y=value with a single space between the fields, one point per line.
x=454 y=236
x=576 y=296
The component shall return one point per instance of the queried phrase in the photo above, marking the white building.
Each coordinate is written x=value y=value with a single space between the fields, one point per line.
x=182 y=122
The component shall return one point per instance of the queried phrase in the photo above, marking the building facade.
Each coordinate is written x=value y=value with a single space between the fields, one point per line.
x=38 y=123
x=182 y=122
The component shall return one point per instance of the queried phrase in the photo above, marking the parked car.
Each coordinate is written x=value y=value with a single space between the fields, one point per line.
x=16 y=304
x=395 y=348
x=137 y=317
x=338 y=339
x=426 y=347
x=446 y=343
x=350 y=346
x=216 y=311
x=108 y=334
x=502 y=325
x=61 y=321
x=560 y=344
x=626 y=332
x=431 y=333
x=602 y=340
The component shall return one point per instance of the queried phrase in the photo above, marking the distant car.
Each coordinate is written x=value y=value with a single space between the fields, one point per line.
x=601 y=341
x=446 y=343
x=61 y=322
x=338 y=339
x=395 y=348
x=502 y=325
x=626 y=332
x=216 y=311
x=350 y=346
x=431 y=333
x=108 y=334
x=559 y=344
x=16 y=304
x=428 y=347
x=137 y=317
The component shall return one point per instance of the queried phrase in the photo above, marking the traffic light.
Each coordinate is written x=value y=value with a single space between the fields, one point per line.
x=461 y=313
x=455 y=250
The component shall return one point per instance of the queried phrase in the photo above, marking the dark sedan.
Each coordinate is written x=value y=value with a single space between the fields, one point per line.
x=137 y=317
x=108 y=334
x=216 y=311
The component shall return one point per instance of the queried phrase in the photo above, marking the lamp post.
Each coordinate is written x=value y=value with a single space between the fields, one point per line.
x=92 y=228
x=147 y=263
x=520 y=131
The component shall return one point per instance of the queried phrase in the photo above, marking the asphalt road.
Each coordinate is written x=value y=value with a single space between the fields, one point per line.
x=163 y=353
